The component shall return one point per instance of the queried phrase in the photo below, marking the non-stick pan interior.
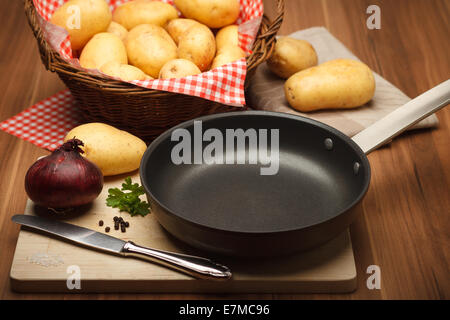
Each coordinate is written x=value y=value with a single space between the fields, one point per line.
x=321 y=174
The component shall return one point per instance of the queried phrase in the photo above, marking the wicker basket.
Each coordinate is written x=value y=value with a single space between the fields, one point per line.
x=141 y=111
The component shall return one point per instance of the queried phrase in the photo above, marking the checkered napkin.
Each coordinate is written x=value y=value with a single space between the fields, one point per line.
x=224 y=84
x=46 y=123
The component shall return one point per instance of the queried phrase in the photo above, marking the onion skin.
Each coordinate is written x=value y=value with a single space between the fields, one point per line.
x=64 y=179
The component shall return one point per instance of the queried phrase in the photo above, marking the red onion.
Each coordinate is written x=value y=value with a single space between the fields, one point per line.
x=64 y=179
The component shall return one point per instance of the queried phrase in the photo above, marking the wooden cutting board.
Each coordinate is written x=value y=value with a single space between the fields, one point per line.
x=43 y=264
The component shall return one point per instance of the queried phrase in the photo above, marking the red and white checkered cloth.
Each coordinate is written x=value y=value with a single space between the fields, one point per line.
x=46 y=123
x=224 y=84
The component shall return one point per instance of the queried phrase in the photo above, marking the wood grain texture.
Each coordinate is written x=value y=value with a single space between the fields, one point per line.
x=404 y=225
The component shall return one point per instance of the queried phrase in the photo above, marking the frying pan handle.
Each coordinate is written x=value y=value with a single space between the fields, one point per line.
x=197 y=267
x=404 y=117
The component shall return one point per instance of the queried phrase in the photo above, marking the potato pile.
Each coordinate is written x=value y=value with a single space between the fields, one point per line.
x=336 y=84
x=145 y=39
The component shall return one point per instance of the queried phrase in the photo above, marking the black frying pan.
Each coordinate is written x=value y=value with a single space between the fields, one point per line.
x=232 y=209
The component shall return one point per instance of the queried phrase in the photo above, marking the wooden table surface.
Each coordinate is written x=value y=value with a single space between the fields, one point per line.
x=405 y=224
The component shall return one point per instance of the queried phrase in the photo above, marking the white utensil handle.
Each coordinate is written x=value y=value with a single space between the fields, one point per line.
x=404 y=117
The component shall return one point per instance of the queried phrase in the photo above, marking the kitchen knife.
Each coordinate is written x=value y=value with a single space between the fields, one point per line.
x=197 y=267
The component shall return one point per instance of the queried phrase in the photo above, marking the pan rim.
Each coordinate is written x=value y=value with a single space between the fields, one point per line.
x=167 y=133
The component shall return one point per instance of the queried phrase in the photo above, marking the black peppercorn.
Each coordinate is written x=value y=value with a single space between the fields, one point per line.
x=100 y=223
x=107 y=229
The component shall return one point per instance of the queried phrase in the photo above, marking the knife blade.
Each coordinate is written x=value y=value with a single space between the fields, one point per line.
x=195 y=266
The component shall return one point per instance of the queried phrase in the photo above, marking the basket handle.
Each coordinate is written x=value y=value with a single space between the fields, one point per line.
x=275 y=24
x=264 y=42
x=47 y=53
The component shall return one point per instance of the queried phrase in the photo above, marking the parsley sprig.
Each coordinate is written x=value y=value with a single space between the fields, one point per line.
x=128 y=201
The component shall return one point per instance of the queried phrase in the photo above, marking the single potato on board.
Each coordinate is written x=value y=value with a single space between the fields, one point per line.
x=291 y=56
x=213 y=13
x=102 y=48
x=114 y=151
x=336 y=84
x=133 y=13
x=94 y=17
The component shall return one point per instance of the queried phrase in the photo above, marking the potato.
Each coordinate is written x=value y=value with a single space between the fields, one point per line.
x=102 y=48
x=133 y=13
x=226 y=55
x=178 y=68
x=291 y=56
x=213 y=13
x=118 y=30
x=149 y=52
x=177 y=27
x=227 y=36
x=94 y=17
x=123 y=71
x=198 y=45
x=149 y=28
x=114 y=151
x=340 y=83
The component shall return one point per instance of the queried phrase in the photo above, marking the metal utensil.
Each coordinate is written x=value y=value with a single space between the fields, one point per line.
x=234 y=210
x=197 y=267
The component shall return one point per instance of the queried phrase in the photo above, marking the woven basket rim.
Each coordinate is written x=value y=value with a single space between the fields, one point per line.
x=261 y=50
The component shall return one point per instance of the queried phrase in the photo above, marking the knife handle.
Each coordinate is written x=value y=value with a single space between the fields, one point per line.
x=197 y=267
